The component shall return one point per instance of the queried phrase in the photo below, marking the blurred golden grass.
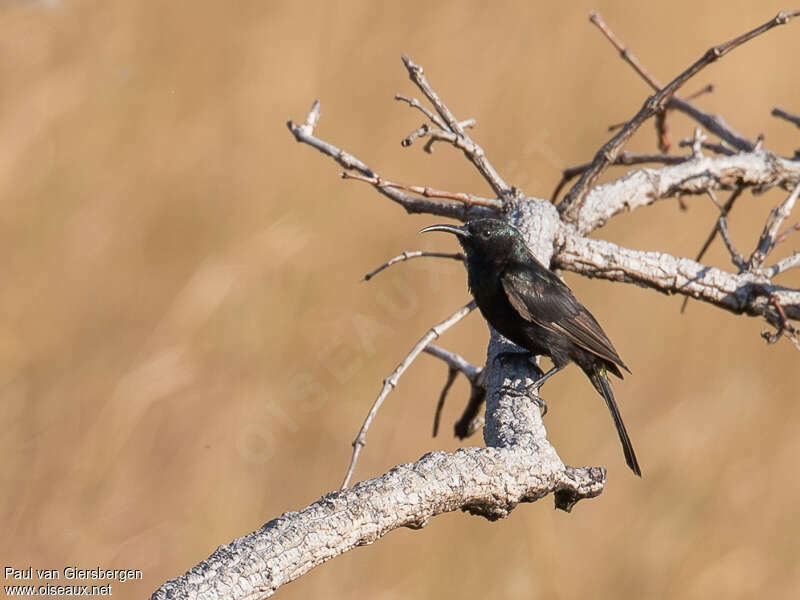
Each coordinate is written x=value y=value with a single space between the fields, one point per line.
x=187 y=351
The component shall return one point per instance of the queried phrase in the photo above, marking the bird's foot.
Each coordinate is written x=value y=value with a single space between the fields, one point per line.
x=529 y=392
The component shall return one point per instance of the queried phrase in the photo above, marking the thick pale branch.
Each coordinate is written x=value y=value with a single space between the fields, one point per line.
x=759 y=170
x=745 y=293
x=256 y=565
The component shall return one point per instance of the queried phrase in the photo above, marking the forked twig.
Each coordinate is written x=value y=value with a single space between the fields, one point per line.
x=304 y=133
x=471 y=149
x=570 y=206
x=406 y=255
x=391 y=381
x=714 y=123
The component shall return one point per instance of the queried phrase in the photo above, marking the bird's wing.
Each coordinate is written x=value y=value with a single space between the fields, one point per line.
x=541 y=297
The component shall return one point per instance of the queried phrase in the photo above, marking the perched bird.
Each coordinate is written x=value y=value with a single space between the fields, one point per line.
x=527 y=303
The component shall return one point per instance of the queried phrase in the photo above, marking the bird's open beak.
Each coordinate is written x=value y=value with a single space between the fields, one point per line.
x=459 y=231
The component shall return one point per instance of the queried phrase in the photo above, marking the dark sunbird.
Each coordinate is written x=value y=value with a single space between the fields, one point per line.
x=527 y=303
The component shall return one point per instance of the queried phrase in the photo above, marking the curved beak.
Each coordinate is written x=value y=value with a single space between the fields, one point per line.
x=459 y=231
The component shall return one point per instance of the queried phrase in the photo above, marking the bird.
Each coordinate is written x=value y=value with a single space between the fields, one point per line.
x=529 y=304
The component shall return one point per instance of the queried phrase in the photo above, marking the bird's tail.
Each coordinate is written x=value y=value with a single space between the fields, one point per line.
x=599 y=379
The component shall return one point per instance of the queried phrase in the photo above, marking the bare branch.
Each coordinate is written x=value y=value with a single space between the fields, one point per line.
x=391 y=382
x=406 y=255
x=570 y=207
x=305 y=134
x=713 y=123
x=471 y=149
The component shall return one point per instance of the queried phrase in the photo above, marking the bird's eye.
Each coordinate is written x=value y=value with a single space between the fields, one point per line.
x=485 y=235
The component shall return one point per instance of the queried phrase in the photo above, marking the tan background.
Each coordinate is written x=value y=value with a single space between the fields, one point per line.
x=186 y=350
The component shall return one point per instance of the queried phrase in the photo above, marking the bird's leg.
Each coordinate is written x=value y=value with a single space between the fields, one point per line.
x=538 y=383
x=533 y=389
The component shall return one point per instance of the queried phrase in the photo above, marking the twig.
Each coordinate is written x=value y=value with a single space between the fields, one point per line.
x=470 y=420
x=571 y=204
x=406 y=255
x=782 y=114
x=455 y=361
x=782 y=265
x=414 y=103
x=471 y=149
x=451 y=377
x=767 y=240
x=305 y=134
x=434 y=135
x=391 y=382
x=736 y=258
x=783 y=326
x=428 y=192
x=783 y=236
x=625 y=158
x=716 y=148
x=723 y=214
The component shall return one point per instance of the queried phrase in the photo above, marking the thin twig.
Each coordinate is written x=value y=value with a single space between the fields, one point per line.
x=451 y=377
x=428 y=192
x=782 y=114
x=305 y=134
x=767 y=240
x=571 y=204
x=471 y=149
x=736 y=258
x=406 y=255
x=434 y=135
x=625 y=158
x=783 y=236
x=391 y=381
x=723 y=213
x=470 y=420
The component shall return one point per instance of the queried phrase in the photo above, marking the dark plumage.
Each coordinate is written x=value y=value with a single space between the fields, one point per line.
x=532 y=307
